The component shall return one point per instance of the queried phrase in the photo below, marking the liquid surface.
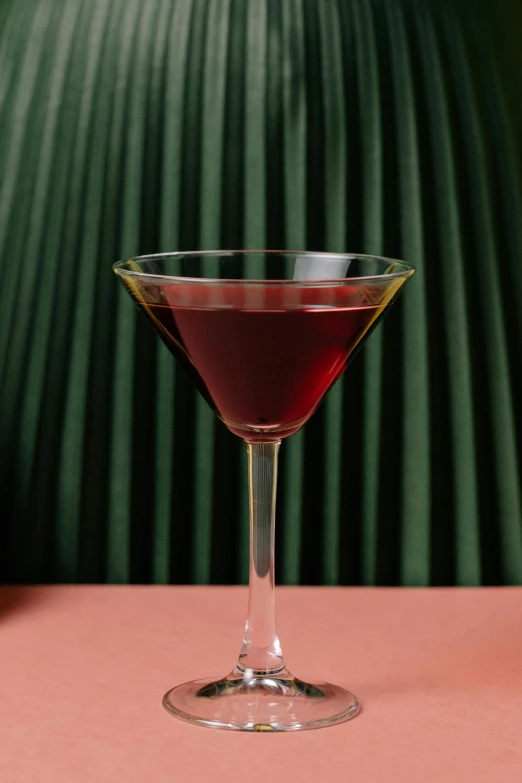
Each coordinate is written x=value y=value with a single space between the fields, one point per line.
x=263 y=357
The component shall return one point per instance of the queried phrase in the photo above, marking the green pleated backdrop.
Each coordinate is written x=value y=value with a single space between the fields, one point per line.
x=376 y=126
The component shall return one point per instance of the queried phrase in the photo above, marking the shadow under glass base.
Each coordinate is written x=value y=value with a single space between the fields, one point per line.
x=255 y=701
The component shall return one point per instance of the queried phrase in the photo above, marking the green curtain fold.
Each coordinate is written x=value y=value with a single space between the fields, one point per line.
x=132 y=127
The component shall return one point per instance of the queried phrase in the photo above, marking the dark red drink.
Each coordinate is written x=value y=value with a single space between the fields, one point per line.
x=263 y=356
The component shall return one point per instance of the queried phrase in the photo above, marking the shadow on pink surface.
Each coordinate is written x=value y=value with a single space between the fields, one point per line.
x=14 y=599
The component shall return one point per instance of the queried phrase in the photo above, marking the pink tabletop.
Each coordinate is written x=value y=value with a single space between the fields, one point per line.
x=439 y=674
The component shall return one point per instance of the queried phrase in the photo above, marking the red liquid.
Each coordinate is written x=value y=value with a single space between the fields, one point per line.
x=263 y=357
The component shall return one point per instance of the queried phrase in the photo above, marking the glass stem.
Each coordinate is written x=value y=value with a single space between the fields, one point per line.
x=261 y=652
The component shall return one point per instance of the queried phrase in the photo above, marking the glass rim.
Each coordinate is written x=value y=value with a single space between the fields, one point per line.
x=120 y=268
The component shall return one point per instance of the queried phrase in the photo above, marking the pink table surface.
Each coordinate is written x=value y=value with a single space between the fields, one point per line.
x=83 y=670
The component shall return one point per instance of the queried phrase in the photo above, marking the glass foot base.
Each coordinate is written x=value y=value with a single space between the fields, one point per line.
x=252 y=701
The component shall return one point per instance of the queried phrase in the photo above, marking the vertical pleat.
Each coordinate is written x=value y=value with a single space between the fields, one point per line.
x=212 y=134
x=370 y=124
x=415 y=468
x=170 y=540
x=255 y=127
x=336 y=208
x=127 y=131
x=363 y=126
x=295 y=174
x=163 y=86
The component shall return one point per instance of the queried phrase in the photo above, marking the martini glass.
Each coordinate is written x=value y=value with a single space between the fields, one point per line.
x=263 y=335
